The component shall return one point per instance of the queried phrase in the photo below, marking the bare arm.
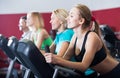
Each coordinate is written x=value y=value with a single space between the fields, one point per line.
x=91 y=48
x=40 y=37
x=70 y=51
x=63 y=49
x=52 y=48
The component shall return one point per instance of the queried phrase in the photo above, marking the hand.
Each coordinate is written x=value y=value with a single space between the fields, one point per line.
x=50 y=58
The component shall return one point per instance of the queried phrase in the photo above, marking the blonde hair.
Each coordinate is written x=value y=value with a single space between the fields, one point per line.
x=38 y=19
x=62 y=14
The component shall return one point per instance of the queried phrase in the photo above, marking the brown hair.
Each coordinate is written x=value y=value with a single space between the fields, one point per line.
x=84 y=13
x=87 y=15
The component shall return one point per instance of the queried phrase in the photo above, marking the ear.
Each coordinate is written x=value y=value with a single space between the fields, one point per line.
x=61 y=22
x=81 y=21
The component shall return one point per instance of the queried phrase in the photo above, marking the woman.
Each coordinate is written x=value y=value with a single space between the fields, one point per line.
x=87 y=46
x=64 y=35
x=39 y=34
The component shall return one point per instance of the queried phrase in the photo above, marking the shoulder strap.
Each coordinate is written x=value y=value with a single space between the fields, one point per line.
x=75 y=43
x=83 y=46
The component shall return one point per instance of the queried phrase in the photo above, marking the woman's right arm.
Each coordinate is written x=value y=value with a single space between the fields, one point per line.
x=52 y=48
x=70 y=51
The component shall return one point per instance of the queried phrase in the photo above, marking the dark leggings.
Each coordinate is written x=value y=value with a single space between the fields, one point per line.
x=115 y=73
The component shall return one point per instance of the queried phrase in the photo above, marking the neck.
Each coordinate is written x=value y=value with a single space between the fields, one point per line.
x=25 y=30
x=80 y=32
x=34 y=29
x=61 y=28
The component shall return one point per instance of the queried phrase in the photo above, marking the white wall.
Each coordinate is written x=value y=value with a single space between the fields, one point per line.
x=24 y=6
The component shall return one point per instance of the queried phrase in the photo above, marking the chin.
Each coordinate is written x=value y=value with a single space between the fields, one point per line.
x=70 y=27
x=53 y=28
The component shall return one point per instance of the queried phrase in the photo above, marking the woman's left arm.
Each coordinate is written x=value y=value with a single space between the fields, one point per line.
x=91 y=47
x=40 y=37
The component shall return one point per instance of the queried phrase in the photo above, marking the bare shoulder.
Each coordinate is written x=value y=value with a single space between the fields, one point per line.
x=43 y=32
x=93 y=40
x=72 y=42
x=93 y=35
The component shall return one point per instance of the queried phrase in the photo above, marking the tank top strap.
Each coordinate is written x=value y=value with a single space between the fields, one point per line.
x=83 y=46
x=75 y=43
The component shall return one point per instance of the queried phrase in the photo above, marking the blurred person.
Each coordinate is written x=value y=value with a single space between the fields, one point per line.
x=24 y=28
x=26 y=35
x=40 y=36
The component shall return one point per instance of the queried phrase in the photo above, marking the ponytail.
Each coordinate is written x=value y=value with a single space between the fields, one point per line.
x=95 y=26
x=96 y=29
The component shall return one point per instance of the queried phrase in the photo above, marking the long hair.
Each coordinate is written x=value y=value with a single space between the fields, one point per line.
x=87 y=15
x=38 y=19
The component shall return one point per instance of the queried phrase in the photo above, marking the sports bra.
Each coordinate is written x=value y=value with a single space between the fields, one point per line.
x=99 y=56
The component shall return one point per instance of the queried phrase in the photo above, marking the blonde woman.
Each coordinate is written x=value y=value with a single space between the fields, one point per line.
x=63 y=35
x=39 y=34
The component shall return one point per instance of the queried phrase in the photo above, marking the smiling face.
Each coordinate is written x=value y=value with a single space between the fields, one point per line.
x=74 y=18
x=79 y=15
x=58 y=19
